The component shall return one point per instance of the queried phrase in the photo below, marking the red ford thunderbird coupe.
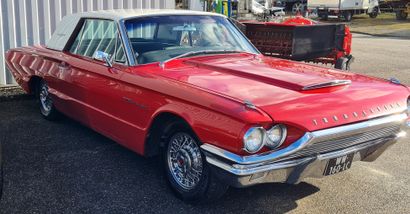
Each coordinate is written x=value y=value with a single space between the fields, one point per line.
x=190 y=87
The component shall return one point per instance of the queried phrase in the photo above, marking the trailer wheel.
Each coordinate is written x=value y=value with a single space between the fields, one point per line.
x=348 y=15
x=401 y=15
x=342 y=63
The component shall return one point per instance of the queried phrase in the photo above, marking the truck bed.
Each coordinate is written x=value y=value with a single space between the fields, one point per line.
x=323 y=3
x=339 y=4
x=296 y=42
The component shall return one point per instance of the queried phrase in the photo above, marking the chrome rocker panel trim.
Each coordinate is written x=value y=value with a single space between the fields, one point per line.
x=272 y=166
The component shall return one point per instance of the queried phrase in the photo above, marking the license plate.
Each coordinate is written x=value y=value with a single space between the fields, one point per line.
x=339 y=164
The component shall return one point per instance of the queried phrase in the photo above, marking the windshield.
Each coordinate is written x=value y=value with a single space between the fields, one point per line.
x=157 y=39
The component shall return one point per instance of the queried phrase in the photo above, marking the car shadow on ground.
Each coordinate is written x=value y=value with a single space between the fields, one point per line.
x=64 y=167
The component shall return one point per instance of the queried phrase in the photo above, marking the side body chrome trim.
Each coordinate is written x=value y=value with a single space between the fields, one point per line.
x=305 y=140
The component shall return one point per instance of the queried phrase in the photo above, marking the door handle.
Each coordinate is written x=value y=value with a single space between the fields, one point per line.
x=113 y=70
x=63 y=66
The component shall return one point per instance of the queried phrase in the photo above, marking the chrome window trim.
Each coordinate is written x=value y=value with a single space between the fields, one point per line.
x=126 y=42
x=244 y=36
x=127 y=63
x=114 y=61
x=306 y=139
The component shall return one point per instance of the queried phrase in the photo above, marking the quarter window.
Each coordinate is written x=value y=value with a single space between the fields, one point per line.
x=120 y=52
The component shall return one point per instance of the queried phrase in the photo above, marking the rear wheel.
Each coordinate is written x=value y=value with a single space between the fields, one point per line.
x=401 y=15
x=186 y=168
x=47 y=108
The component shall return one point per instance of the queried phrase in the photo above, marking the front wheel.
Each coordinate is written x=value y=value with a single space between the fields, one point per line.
x=47 y=108
x=186 y=168
x=374 y=13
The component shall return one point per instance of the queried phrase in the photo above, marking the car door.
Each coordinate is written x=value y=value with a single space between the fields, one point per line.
x=98 y=80
x=60 y=76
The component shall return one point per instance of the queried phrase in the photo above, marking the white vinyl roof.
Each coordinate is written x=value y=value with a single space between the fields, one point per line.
x=67 y=25
x=133 y=13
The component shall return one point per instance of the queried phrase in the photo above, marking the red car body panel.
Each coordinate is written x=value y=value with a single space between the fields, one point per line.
x=121 y=102
x=208 y=92
x=275 y=86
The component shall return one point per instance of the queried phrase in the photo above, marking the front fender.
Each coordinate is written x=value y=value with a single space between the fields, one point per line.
x=210 y=126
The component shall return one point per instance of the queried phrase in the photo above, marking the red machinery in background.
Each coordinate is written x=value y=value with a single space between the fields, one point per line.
x=302 y=39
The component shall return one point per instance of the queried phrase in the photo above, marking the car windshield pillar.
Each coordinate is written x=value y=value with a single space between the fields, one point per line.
x=127 y=46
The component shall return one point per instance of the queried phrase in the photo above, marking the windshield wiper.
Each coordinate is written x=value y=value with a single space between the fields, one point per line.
x=202 y=52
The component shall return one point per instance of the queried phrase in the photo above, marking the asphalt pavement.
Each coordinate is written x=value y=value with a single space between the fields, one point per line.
x=64 y=167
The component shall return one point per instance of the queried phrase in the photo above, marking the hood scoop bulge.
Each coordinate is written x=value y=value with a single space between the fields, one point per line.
x=326 y=84
x=298 y=80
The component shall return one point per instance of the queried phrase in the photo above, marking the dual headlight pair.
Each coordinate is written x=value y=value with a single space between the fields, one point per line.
x=258 y=137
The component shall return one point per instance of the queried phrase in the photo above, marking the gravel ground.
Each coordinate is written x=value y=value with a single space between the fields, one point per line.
x=384 y=25
x=63 y=167
x=12 y=93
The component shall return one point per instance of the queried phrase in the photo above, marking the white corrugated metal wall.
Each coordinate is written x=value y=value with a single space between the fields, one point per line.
x=28 y=22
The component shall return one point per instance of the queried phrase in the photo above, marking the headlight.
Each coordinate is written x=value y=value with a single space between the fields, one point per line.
x=408 y=113
x=276 y=136
x=408 y=106
x=254 y=139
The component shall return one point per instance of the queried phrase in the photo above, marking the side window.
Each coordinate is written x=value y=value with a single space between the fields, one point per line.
x=95 y=35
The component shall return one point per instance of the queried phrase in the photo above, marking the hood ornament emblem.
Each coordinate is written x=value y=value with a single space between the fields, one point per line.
x=395 y=81
x=326 y=84
x=249 y=104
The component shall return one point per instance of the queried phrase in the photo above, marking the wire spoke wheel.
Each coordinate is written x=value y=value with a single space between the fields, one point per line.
x=298 y=8
x=45 y=100
x=184 y=160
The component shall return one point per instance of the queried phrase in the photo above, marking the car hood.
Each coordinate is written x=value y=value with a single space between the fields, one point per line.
x=276 y=87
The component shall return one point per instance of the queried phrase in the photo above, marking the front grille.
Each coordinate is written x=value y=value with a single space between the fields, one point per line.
x=345 y=142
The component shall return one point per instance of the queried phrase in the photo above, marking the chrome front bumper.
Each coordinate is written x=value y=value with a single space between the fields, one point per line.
x=277 y=166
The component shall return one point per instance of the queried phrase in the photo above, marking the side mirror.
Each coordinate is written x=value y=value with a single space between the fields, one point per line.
x=102 y=56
